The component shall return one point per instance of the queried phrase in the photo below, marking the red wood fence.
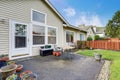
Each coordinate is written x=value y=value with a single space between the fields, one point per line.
x=104 y=44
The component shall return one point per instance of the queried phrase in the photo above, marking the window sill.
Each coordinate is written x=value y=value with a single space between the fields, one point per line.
x=38 y=45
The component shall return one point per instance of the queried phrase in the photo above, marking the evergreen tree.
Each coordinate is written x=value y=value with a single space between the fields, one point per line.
x=113 y=26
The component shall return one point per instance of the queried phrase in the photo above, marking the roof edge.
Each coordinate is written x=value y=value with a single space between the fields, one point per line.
x=56 y=11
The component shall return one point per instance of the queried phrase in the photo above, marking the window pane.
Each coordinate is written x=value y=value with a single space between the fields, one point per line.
x=20 y=30
x=51 y=40
x=20 y=42
x=38 y=40
x=69 y=36
x=82 y=38
x=38 y=35
x=51 y=35
x=20 y=35
x=51 y=31
x=38 y=30
x=39 y=17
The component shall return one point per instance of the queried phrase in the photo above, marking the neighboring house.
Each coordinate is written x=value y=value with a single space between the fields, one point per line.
x=25 y=25
x=100 y=31
x=93 y=30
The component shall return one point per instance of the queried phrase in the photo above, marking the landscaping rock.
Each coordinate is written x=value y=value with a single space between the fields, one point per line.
x=105 y=71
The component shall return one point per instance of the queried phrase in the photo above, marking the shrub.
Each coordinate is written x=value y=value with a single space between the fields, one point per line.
x=96 y=37
x=89 y=39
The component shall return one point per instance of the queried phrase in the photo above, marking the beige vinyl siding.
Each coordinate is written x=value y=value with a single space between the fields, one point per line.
x=35 y=51
x=4 y=41
x=20 y=10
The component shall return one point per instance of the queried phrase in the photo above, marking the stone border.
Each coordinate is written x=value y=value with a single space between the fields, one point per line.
x=105 y=71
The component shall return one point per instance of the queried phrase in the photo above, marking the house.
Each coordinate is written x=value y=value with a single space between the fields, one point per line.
x=93 y=30
x=72 y=34
x=25 y=25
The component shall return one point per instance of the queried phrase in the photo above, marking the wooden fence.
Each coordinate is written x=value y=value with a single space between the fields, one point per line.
x=104 y=44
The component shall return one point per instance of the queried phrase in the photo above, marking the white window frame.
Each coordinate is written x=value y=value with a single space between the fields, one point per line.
x=46 y=28
x=84 y=36
x=66 y=36
x=32 y=35
x=38 y=12
x=46 y=34
x=39 y=24
x=56 y=34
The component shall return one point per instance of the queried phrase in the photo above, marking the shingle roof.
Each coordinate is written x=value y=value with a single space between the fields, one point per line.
x=83 y=27
x=98 y=29
x=77 y=28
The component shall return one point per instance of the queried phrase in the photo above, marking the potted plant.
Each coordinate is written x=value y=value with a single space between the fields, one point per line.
x=25 y=73
x=4 y=57
x=97 y=56
x=8 y=70
x=11 y=62
x=31 y=76
x=12 y=77
x=19 y=67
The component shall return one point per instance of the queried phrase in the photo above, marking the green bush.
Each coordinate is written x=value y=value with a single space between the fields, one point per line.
x=89 y=39
x=96 y=37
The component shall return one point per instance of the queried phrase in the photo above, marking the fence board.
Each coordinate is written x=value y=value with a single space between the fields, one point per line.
x=104 y=44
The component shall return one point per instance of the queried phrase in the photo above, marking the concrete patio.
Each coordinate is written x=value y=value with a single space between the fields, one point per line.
x=55 y=68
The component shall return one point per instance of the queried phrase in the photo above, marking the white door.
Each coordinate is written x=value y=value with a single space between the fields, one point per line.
x=19 y=40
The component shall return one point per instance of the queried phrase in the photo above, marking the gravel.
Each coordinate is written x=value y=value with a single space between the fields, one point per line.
x=105 y=71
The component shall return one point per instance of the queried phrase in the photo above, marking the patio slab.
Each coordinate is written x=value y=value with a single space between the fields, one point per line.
x=55 y=68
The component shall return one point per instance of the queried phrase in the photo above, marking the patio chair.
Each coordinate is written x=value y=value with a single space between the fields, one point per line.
x=55 y=48
x=57 y=51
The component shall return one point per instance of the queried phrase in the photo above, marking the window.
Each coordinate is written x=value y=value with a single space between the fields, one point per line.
x=20 y=35
x=38 y=17
x=42 y=33
x=51 y=35
x=82 y=37
x=69 y=36
x=38 y=35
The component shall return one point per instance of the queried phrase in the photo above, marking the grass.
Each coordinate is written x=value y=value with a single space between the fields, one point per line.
x=114 y=56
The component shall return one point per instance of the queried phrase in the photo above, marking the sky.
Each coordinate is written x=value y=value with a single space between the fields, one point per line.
x=88 y=12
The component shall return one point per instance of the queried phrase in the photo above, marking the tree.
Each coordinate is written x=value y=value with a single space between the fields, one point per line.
x=96 y=37
x=113 y=26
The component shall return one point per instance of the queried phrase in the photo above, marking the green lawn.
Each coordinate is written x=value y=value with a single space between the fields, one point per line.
x=114 y=56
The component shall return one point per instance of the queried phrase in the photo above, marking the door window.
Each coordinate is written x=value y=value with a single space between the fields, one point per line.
x=20 y=35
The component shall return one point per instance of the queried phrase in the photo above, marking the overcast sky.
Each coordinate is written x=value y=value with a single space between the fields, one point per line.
x=89 y=12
